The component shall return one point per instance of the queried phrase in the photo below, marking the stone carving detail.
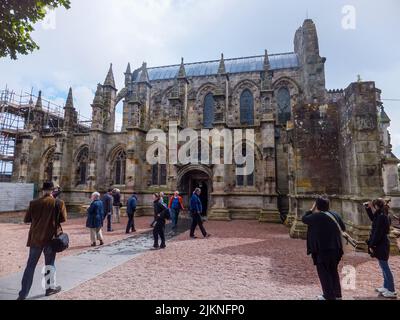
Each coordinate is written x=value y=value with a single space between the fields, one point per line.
x=366 y=122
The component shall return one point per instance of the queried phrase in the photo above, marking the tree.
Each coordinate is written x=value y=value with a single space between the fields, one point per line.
x=17 y=18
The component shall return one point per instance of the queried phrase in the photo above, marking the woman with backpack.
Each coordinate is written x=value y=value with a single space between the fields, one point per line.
x=379 y=243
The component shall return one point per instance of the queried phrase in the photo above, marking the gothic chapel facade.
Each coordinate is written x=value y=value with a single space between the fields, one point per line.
x=309 y=140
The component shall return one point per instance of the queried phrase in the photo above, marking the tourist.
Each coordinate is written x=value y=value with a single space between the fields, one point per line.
x=196 y=209
x=379 y=243
x=57 y=192
x=324 y=244
x=164 y=199
x=116 y=194
x=95 y=218
x=42 y=217
x=108 y=208
x=161 y=213
x=130 y=211
x=175 y=205
x=163 y=203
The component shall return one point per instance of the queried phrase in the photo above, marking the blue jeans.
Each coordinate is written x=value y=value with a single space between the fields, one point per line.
x=34 y=256
x=388 y=281
x=174 y=218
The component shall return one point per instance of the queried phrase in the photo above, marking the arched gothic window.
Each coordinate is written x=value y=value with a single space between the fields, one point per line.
x=247 y=108
x=244 y=180
x=159 y=174
x=208 y=113
x=283 y=100
x=119 y=168
x=48 y=168
x=82 y=161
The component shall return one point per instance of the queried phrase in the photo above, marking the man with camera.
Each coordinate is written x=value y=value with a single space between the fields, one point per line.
x=324 y=244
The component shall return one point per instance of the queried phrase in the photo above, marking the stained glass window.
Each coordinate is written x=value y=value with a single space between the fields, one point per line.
x=284 y=110
x=208 y=113
x=247 y=108
x=119 y=168
x=82 y=161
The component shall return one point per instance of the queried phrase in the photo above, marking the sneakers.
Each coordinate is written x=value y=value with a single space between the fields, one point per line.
x=389 y=294
x=380 y=290
x=50 y=292
x=321 y=298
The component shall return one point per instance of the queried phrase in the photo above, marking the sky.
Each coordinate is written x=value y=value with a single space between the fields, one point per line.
x=358 y=37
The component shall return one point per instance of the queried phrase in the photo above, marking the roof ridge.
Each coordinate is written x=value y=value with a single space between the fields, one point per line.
x=229 y=59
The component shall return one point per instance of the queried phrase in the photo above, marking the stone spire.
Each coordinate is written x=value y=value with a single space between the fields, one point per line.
x=128 y=75
x=144 y=75
x=266 y=60
x=39 y=101
x=221 y=68
x=110 y=78
x=182 y=71
x=70 y=100
x=128 y=69
x=98 y=97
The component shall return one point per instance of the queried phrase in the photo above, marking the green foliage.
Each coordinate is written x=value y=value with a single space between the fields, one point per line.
x=17 y=18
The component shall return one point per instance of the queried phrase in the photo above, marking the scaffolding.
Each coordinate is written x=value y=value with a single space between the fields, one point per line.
x=15 y=116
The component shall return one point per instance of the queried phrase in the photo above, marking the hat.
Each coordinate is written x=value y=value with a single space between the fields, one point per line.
x=47 y=186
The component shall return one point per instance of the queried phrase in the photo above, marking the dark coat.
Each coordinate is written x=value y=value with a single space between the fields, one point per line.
x=131 y=205
x=195 y=204
x=95 y=215
x=161 y=213
x=107 y=203
x=41 y=215
x=116 y=199
x=323 y=236
x=379 y=240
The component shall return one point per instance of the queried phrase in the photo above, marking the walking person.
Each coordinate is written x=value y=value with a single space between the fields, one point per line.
x=196 y=209
x=108 y=208
x=161 y=196
x=161 y=213
x=95 y=218
x=42 y=217
x=324 y=244
x=116 y=194
x=130 y=210
x=379 y=243
x=175 y=205
x=164 y=199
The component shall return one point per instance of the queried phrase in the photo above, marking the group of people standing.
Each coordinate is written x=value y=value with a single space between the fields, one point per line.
x=165 y=208
x=108 y=207
x=324 y=235
x=324 y=244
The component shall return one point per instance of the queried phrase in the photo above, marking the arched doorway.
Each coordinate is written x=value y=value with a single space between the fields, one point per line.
x=191 y=178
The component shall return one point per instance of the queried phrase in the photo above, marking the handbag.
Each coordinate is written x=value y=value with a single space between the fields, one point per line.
x=345 y=235
x=60 y=242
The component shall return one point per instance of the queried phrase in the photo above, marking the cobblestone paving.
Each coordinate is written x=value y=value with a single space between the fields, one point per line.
x=13 y=237
x=242 y=260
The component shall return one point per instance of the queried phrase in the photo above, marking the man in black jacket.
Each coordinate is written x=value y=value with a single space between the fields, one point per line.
x=324 y=243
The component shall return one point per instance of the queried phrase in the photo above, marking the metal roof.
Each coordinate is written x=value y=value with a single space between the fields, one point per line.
x=236 y=65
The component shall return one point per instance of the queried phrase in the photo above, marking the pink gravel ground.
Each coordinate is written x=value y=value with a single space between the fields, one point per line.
x=13 y=237
x=242 y=260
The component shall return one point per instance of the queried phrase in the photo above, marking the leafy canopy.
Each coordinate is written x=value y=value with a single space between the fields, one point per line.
x=17 y=18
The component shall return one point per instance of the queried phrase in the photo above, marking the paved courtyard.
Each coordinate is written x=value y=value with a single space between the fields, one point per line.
x=242 y=260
